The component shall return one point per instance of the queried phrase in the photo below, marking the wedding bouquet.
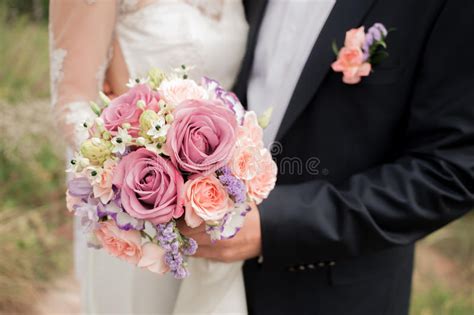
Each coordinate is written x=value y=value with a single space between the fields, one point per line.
x=168 y=149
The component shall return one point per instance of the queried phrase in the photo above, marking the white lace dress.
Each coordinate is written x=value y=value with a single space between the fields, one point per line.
x=208 y=34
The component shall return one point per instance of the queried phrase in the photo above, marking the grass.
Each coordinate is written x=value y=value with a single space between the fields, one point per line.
x=24 y=73
x=37 y=247
x=457 y=241
x=439 y=301
x=34 y=229
x=444 y=273
x=35 y=232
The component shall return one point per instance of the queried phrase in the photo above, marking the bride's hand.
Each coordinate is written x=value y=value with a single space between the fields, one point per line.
x=245 y=245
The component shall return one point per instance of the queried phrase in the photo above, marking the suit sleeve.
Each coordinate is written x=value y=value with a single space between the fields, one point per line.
x=397 y=203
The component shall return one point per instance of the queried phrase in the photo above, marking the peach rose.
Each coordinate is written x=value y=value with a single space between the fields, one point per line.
x=153 y=259
x=176 y=91
x=250 y=131
x=125 y=245
x=350 y=62
x=355 y=38
x=206 y=199
x=244 y=163
x=263 y=183
x=102 y=185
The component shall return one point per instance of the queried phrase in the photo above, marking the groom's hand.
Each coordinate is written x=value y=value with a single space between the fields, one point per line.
x=245 y=245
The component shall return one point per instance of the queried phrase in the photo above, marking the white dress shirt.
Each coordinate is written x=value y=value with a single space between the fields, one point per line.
x=287 y=35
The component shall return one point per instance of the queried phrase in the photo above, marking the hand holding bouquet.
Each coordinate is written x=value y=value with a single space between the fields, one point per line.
x=167 y=149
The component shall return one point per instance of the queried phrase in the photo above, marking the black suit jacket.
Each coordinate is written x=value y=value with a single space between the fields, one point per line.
x=385 y=162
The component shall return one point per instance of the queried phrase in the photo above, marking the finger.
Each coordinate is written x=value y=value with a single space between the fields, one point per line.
x=202 y=239
x=217 y=253
x=208 y=252
x=187 y=231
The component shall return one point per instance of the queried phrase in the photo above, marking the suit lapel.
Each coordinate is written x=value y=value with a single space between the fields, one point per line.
x=345 y=15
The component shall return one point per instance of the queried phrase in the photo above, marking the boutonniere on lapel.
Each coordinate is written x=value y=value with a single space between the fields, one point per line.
x=360 y=53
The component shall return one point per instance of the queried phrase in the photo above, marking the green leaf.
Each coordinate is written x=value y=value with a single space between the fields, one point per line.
x=104 y=98
x=95 y=108
x=264 y=119
x=334 y=48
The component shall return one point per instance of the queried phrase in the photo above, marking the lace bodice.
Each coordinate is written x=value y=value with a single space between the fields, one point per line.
x=208 y=34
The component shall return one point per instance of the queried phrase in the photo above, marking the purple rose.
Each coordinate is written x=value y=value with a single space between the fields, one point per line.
x=150 y=187
x=202 y=136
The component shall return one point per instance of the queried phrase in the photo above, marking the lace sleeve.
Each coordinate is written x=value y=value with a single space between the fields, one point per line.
x=81 y=34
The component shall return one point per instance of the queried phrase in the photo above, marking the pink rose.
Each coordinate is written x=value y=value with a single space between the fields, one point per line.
x=125 y=245
x=153 y=259
x=174 y=92
x=350 y=62
x=263 y=183
x=150 y=187
x=355 y=38
x=124 y=109
x=202 y=136
x=206 y=199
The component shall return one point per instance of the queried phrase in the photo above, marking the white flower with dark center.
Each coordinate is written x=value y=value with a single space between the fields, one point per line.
x=78 y=163
x=157 y=147
x=120 y=141
x=94 y=174
x=159 y=128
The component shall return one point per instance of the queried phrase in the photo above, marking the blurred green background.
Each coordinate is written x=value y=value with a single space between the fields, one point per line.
x=35 y=230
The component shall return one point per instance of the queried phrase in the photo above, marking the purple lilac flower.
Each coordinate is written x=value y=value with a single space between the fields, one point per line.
x=169 y=240
x=382 y=28
x=376 y=32
x=234 y=186
x=190 y=248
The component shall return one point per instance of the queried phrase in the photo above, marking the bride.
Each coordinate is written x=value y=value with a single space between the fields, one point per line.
x=116 y=39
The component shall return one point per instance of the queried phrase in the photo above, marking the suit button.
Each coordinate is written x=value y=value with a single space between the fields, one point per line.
x=311 y=266
x=321 y=265
x=291 y=269
x=332 y=263
x=302 y=268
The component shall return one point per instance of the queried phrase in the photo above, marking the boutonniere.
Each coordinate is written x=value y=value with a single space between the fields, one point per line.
x=360 y=53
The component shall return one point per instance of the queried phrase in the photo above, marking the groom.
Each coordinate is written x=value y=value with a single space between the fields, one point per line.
x=366 y=169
